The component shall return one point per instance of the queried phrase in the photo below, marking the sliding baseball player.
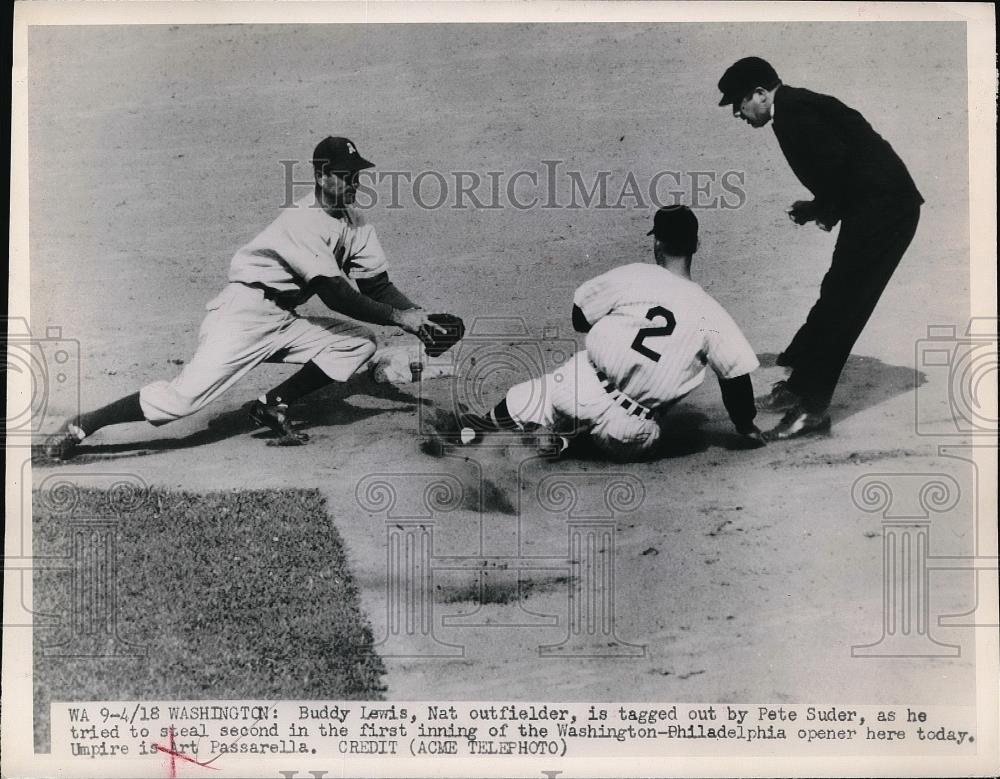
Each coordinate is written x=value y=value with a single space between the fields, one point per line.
x=651 y=334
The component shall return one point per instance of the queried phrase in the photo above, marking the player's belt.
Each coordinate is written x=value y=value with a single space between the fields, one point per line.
x=633 y=407
x=280 y=299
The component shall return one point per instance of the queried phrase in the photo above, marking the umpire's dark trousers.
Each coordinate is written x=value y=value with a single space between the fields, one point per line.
x=871 y=243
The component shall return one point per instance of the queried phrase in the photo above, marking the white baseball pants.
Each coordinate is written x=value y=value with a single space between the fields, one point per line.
x=241 y=330
x=572 y=400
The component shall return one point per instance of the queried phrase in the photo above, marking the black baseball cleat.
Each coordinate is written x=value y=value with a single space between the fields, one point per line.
x=798 y=423
x=62 y=444
x=275 y=417
x=780 y=398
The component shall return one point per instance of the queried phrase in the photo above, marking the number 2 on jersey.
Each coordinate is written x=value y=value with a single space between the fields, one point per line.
x=656 y=312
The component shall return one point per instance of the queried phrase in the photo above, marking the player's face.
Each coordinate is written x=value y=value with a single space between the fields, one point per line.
x=754 y=109
x=339 y=189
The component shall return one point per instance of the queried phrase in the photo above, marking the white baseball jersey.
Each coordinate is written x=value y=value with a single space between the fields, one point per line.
x=654 y=333
x=305 y=242
x=243 y=328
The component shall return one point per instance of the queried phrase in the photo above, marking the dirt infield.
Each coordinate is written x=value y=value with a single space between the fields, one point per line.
x=747 y=576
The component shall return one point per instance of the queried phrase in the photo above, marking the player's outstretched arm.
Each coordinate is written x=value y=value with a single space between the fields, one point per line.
x=381 y=289
x=339 y=296
x=427 y=327
x=737 y=397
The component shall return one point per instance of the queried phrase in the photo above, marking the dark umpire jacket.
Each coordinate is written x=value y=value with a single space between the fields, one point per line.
x=835 y=153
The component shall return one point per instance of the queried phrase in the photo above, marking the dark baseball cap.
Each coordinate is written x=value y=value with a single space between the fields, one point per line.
x=743 y=77
x=339 y=154
x=676 y=227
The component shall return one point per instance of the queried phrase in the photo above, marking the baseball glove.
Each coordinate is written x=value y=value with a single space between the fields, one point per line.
x=437 y=343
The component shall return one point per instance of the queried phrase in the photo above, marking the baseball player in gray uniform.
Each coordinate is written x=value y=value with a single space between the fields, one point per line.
x=651 y=332
x=318 y=246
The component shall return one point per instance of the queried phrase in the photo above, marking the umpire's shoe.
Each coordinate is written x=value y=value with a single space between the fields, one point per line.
x=780 y=398
x=797 y=423
x=63 y=443
x=275 y=417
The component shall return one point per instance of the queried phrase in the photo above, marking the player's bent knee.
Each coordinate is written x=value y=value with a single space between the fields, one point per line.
x=340 y=362
x=632 y=450
x=362 y=351
x=529 y=402
x=368 y=347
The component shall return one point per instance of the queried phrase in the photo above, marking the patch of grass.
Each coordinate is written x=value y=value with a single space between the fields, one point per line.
x=222 y=595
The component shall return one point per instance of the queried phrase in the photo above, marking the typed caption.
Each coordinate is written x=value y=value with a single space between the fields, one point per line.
x=210 y=733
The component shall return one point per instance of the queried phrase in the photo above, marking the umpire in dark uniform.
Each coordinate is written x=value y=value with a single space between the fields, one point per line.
x=856 y=180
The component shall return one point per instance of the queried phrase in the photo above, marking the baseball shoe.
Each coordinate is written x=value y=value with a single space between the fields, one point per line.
x=63 y=443
x=546 y=443
x=458 y=428
x=468 y=435
x=797 y=423
x=276 y=419
x=551 y=446
x=472 y=427
x=780 y=398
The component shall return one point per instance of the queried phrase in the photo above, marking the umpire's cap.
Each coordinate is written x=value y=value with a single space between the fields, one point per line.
x=744 y=76
x=676 y=227
x=339 y=154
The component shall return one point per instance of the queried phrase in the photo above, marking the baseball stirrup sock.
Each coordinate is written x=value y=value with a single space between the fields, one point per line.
x=125 y=409
x=309 y=379
x=495 y=419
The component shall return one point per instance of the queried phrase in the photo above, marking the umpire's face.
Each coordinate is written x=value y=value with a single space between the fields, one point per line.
x=755 y=108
